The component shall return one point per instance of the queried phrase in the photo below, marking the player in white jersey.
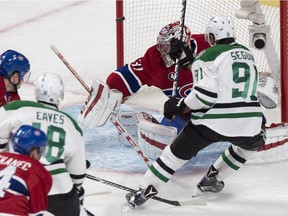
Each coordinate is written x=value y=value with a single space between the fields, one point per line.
x=65 y=158
x=224 y=107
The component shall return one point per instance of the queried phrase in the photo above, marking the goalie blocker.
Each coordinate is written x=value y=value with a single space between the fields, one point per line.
x=100 y=105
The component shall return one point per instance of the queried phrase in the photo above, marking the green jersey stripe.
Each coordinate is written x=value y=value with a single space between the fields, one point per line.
x=207 y=103
x=228 y=115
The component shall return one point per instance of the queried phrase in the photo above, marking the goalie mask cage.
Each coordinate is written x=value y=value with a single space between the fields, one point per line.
x=138 y=23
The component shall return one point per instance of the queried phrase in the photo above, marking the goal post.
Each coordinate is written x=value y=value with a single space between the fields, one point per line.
x=284 y=59
x=119 y=33
x=138 y=23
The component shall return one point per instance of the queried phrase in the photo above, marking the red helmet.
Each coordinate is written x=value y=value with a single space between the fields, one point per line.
x=168 y=32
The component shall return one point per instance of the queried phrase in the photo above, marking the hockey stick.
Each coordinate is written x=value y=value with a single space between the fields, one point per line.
x=170 y=202
x=89 y=213
x=113 y=118
x=182 y=19
x=98 y=193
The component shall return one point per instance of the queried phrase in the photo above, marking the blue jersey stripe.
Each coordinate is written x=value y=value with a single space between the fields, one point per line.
x=18 y=187
x=129 y=78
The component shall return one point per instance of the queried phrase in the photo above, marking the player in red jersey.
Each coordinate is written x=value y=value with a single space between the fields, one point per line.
x=24 y=182
x=14 y=68
x=156 y=68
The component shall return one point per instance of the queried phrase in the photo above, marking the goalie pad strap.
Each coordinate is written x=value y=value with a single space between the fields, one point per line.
x=152 y=142
x=276 y=145
x=96 y=99
x=100 y=105
x=153 y=137
x=276 y=135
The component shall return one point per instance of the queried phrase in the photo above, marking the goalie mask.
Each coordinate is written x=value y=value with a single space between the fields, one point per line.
x=49 y=88
x=221 y=27
x=168 y=32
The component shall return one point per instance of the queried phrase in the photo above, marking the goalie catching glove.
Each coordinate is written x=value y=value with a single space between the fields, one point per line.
x=180 y=50
x=100 y=105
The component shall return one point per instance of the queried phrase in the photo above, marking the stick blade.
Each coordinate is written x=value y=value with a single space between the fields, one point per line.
x=193 y=202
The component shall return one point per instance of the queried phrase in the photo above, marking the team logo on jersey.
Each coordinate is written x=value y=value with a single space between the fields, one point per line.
x=37 y=133
x=172 y=76
x=185 y=90
x=20 y=57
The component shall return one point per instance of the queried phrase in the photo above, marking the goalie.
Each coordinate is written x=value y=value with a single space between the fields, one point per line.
x=155 y=68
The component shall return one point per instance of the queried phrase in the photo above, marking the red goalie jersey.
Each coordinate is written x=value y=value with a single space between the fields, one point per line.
x=151 y=70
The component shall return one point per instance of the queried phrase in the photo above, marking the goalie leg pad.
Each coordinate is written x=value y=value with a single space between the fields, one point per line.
x=276 y=145
x=153 y=137
x=128 y=121
x=100 y=105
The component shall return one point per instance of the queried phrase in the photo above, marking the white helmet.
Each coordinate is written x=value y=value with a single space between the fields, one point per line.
x=221 y=27
x=166 y=34
x=49 y=88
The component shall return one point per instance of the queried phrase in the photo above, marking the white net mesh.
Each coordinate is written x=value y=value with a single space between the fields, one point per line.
x=144 y=19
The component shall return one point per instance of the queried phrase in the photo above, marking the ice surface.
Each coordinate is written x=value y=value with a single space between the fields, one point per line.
x=84 y=32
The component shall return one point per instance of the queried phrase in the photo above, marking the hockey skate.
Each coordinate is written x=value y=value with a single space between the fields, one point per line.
x=209 y=183
x=139 y=197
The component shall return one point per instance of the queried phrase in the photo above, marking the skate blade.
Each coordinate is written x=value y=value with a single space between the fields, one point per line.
x=126 y=207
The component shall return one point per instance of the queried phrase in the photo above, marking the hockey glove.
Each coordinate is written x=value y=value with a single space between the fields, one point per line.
x=180 y=50
x=173 y=107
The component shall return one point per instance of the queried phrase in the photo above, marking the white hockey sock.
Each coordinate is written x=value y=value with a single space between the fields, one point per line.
x=162 y=169
x=230 y=161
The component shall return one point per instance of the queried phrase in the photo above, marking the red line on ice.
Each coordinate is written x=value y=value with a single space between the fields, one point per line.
x=41 y=16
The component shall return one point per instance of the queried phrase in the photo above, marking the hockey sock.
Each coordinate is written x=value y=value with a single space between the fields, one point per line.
x=162 y=169
x=232 y=159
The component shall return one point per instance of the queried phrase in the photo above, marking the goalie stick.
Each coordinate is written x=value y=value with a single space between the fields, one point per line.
x=175 y=82
x=113 y=118
x=192 y=201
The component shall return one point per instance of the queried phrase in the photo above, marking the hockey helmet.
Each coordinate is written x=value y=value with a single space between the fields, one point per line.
x=12 y=61
x=49 y=88
x=26 y=138
x=172 y=30
x=221 y=27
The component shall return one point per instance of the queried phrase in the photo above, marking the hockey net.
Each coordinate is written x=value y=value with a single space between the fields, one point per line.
x=138 y=23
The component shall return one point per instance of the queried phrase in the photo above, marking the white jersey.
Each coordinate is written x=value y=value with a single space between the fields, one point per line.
x=224 y=97
x=65 y=152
